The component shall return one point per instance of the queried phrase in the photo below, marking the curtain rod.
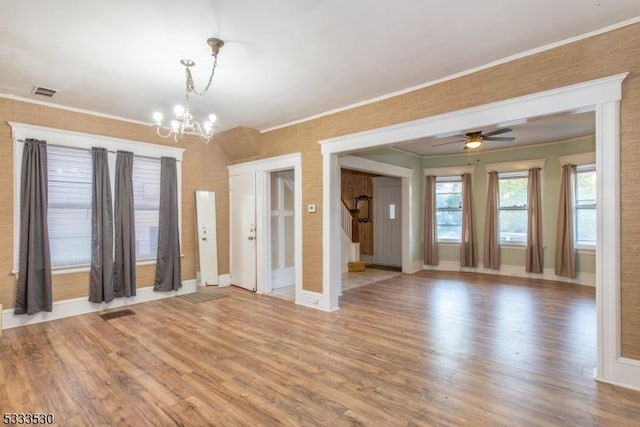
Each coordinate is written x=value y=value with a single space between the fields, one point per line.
x=89 y=149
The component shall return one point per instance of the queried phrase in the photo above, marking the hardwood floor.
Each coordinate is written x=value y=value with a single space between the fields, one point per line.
x=423 y=349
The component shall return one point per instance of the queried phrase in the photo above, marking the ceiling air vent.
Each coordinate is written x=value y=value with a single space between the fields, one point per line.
x=43 y=91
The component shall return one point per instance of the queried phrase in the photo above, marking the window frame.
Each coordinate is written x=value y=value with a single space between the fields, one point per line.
x=582 y=168
x=448 y=171
x=519 y=174
x=65 y=138
x=450 y=178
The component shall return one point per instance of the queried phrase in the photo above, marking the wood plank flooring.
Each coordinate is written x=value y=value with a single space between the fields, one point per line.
x=414 y=350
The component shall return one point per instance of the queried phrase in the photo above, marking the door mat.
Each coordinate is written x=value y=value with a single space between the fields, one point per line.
x=198 y=297
x=117 y=314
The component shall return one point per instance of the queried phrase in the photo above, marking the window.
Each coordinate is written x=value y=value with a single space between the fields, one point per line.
x=146 y=200
x=70 y=176
x=585 y=205
x=449 y=208
x=69 y=208
x=513 y=207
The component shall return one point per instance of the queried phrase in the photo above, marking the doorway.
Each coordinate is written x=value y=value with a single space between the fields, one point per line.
x=282 y=234
x=602 y=96
x=258 y=261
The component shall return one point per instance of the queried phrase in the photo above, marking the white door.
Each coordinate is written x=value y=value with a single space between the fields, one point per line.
x=207 y=241
x=242 y=190
x=387 y=221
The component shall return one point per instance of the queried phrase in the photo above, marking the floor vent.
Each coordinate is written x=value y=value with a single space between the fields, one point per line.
x=43 y=91
x=117 y=314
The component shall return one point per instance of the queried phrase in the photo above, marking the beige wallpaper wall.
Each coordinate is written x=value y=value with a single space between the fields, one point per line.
x=600 y=56
x=204 y=168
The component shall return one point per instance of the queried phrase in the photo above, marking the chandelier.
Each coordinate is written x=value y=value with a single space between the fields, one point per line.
x=183 y=122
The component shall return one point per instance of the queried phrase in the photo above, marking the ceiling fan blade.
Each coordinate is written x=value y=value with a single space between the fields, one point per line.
x=497 y=132
x=450 y=142
x=500 y=138
x=449 y=135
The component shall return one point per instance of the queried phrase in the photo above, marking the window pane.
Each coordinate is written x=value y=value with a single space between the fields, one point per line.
x=586 y=205
x=146 y=199
x=513 y=226
x=449 y=224
x=586 y=188
x=513 y=191
x=586 y=226
x=448 y=195
x=69 y=205
x=449 y=208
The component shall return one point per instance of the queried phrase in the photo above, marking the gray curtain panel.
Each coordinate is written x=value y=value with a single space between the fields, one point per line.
x=101 y=278
x=534 y=252
x=467 y=243
x=124 y=266
x=168 y=260
x=565 y=250
x=34 y=275
x=430 y=224
x=491 y=258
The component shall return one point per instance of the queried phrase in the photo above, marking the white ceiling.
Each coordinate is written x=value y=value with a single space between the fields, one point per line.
x=535 y=130
x=284 y=60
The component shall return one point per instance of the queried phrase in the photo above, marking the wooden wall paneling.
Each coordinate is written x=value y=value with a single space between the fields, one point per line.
x=354 y=184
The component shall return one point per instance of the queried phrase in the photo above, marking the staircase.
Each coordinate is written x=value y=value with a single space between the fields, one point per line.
x=350 y=237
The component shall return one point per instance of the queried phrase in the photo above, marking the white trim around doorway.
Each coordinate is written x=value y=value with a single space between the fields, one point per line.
x=262 y=168
x=602 y=96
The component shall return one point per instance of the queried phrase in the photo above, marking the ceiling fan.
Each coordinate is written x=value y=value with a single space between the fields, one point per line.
x=475 y=139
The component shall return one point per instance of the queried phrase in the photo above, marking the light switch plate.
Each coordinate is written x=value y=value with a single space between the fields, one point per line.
x=311 y=208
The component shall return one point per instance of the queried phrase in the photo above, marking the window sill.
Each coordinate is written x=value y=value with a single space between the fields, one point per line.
x=449 y=242
x=590 y=250
x=85 y=268
x=519 y=246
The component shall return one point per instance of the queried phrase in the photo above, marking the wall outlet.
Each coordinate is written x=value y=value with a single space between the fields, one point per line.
x=311 y=208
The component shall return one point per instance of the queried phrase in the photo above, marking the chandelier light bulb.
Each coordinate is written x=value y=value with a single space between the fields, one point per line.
x=178 y=110
x=183 y=123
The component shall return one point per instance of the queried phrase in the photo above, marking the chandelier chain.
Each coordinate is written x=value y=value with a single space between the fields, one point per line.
x=190 y=88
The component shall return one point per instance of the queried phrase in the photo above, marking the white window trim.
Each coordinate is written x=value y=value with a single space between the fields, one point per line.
x=514 y=166
x=448 y=171
x=65 y=138
x=578 y=159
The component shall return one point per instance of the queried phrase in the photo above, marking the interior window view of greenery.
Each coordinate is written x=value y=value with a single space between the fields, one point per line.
x=513 y=207
x=585 y=217
x=449 y=208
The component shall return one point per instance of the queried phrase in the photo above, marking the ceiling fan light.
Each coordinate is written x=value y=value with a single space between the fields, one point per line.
x=473 y=144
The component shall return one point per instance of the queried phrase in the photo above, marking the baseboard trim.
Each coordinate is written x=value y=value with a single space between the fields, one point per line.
x=586 y=279
x=415 y=267
x=224 y=280
x=626 y=374
x=76 y=306
x=313 y=300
